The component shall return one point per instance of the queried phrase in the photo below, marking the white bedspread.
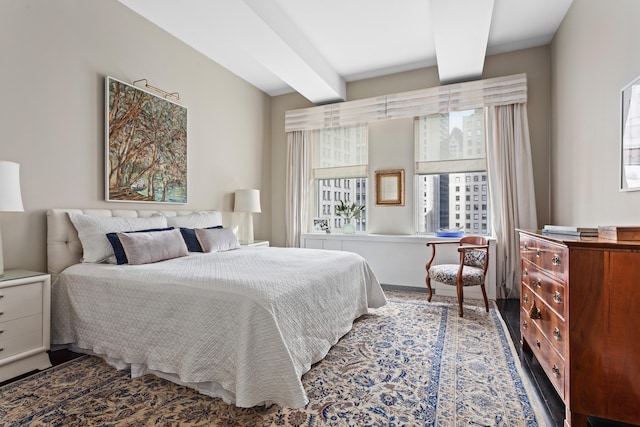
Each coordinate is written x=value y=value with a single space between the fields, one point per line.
x=244 y=324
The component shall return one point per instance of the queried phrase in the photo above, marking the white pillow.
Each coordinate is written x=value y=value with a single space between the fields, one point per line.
x=92 y=232
x=196 y=220
x=217 y=239
x=153 y=246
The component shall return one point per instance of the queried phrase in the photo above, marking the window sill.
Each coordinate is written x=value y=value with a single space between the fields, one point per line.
x=406 y=238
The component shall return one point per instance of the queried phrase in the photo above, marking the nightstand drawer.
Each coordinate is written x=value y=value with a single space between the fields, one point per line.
x=20 y=301
x=20 y=335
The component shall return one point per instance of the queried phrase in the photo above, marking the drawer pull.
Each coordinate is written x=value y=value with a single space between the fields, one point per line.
x=525 y=273
x=524 y=325
x=557 y=297
x=539 y=283
x=555 y=260
x=556 y=371
x=1 y=313
x=538 y=253
x=525 y=298
x=538 y=343
x=1 y=296
x=535 y=312
x=1 y=332
x=525 y=246
x=1 y=349
x=556 y=333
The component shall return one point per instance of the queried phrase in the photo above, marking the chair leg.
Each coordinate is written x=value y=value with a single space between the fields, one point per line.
x=484 y=294
x=460 y=290
x=428 y=280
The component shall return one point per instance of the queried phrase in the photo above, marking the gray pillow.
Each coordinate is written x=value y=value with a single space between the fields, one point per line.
x=153 y=246
x=217 y=239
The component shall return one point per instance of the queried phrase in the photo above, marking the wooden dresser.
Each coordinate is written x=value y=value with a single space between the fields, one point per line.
x=580 y=316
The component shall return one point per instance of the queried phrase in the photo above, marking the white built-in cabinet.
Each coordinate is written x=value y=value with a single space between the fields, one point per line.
x=400 y=259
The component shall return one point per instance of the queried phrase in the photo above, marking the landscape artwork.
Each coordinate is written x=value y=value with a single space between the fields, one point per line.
x=146 y=146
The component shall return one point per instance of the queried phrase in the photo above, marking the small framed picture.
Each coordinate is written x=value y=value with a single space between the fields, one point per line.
x=321 y=224
x=390 y=187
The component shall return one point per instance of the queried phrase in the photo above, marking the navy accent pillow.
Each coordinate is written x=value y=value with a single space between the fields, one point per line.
x=189 y=236
x=118 y=250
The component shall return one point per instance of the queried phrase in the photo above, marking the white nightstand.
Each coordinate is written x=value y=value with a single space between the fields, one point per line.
x=257 y=243
x=25 y=322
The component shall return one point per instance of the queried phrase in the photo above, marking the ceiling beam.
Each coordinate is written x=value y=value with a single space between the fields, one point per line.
x=261 y=44
x=460 y=32
x=297 y=61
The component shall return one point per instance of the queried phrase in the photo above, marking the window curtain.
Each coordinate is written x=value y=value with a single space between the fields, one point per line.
x=511 y=189
x=298 y=186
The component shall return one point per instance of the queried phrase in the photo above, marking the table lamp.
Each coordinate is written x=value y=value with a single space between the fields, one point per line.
x=10 y=196
x=247 y=201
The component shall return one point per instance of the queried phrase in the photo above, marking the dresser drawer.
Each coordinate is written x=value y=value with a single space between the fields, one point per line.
x=20 y=301
x=549 y=323
x=547 y=256
x=547 y=289
x=550 y=360
x=20 y=335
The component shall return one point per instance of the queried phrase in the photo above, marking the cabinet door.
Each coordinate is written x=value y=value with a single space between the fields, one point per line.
x=604 y=323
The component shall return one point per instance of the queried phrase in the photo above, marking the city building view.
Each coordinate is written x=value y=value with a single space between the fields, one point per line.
x=455 y=200
x=340 y=157
x=451 y=181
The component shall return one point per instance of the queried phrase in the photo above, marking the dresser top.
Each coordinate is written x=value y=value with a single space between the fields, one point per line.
x=584 y=242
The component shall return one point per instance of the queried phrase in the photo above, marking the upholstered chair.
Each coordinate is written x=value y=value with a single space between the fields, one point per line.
x=470 y=271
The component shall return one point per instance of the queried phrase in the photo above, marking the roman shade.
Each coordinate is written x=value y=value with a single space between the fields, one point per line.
x=442 y=99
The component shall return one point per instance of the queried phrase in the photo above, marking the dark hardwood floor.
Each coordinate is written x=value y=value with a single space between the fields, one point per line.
x=545 y=394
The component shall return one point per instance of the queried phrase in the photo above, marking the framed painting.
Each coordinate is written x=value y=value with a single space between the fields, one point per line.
x=146 y=146
x=630 y=137
x=390 y=187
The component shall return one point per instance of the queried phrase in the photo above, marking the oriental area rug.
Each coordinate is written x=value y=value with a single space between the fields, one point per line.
x=410 y=363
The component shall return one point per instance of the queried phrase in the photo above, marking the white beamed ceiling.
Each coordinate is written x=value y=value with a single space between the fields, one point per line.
x=314 y=48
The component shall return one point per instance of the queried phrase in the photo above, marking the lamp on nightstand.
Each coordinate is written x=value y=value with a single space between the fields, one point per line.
x=247 y=201
x=10 y=196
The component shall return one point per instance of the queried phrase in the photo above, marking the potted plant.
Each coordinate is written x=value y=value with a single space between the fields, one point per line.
x=348 y=212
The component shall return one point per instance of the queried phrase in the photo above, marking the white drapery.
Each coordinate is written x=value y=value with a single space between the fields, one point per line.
x=510 y=171
x=298 y=186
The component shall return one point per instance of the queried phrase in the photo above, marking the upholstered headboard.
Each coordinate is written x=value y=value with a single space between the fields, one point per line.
x=63 y=246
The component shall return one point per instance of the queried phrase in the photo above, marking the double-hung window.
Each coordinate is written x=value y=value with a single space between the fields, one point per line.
x=450 y=150
x=340 y=158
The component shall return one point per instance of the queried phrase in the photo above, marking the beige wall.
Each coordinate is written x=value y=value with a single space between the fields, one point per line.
x=55 y=56
x=593 y=55
x=391 y=142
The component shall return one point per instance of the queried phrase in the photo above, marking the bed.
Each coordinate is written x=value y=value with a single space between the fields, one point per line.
x=243 y=325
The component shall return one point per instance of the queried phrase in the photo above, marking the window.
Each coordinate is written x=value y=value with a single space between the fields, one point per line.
x=444 y=158
x=340 y=169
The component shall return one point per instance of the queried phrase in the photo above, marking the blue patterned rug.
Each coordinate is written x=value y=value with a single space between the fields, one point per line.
x=410 y=363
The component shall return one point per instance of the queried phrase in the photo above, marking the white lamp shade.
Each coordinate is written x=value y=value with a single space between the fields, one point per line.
x=10 y=195
x=247 y=201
